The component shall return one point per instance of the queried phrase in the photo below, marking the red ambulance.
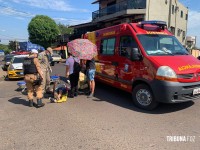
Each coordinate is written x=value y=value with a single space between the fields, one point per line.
x=148 y=61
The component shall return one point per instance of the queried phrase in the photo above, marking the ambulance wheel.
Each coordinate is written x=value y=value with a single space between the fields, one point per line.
x=143 y=97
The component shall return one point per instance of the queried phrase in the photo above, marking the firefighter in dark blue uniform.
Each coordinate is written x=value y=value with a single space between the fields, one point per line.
x=32 y=71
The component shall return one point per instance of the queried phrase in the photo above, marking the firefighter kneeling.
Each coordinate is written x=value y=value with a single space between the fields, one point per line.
x=33 y=78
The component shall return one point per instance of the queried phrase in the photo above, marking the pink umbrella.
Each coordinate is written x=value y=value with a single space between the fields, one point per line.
x=82 y=48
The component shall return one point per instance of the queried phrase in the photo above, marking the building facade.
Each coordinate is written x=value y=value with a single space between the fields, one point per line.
x=113 y=12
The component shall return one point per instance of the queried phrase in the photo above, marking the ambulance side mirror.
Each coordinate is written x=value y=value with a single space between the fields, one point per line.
x=135 y=55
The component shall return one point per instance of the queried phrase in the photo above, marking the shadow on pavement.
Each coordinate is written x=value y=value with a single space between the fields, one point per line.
x=18 y=100
x=10 y=80
x=169 y=108
x=124 y=99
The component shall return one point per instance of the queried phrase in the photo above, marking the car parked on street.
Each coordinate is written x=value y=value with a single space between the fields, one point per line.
x=55 y=58
x=15 y=69
x=2 y=53
x=7 y=60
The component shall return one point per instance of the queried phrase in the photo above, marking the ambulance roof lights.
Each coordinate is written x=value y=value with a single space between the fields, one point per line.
x=156 y=22
x=161 y=24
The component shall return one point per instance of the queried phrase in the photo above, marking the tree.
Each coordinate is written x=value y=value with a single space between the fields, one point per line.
x=5 y=48
x=13 y=45
x=43 y=30
x=64 y=29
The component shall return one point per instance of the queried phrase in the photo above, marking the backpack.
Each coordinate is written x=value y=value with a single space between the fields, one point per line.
x=77 y=67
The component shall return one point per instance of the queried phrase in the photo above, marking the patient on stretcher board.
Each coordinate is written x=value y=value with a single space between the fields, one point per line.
x=60 y=94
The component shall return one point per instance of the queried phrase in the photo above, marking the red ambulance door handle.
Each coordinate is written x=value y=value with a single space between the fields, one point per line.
x=144 y=68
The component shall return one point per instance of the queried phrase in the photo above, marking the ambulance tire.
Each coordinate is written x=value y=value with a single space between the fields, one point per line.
x=143 y=97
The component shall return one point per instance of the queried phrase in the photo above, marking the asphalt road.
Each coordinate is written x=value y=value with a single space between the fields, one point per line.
x=109 y=121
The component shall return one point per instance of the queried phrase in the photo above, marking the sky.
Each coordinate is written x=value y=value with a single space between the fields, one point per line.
x=15 y=15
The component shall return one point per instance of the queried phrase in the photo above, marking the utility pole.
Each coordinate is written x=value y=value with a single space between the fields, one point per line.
x=15 y=45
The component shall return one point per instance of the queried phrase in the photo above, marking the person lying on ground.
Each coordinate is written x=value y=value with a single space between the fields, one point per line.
x=60 y=94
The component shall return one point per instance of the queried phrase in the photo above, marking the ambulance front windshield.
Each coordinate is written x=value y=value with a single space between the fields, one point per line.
x=155 y=45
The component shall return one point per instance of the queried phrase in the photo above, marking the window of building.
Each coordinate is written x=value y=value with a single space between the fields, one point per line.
x=172 y=29
x=127 y=43
x=172 y=9
x=181 y=14
x=108 y=46
x=111 y=7
x=178 y=32
x=176 y=9
x=186 y=16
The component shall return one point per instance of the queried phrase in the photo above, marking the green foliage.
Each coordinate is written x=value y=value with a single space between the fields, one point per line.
x=5 y=48
x=42 y=30
x=64 y=29
x=12 y=45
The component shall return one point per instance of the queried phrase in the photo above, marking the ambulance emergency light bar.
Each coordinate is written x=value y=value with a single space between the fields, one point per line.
x=161 y=24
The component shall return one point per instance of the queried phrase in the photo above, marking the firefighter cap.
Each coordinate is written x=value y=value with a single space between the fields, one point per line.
x=49 y=49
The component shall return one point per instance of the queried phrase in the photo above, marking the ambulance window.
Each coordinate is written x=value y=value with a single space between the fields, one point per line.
x=177 y=47
x=166 y=43
x=161 y=45
x=108 y=46
x=169 y=44
x=127 y=43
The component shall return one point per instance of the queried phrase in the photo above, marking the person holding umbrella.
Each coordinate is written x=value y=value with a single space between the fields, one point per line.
x=72 y=74
x=86 y=50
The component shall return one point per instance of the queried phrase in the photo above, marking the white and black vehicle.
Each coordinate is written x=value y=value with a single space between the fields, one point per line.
x=55 y=58
x=7 y=60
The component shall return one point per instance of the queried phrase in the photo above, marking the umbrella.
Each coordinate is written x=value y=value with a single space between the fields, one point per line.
x=82 y=48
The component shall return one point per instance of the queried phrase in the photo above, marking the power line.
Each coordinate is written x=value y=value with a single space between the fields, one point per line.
x=21 y=13
x=17 y=12
x=6 y=36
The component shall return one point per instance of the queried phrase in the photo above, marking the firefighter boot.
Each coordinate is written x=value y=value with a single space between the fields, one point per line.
x=30 y=103
x=39 y=103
